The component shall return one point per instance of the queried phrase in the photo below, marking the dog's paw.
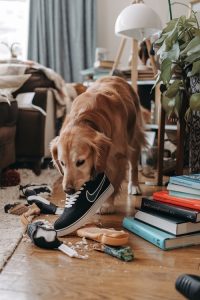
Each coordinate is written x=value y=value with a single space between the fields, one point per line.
x=134 y=189
x=106 y=209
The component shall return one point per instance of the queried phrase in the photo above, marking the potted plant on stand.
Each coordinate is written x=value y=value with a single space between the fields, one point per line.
x=179 y=54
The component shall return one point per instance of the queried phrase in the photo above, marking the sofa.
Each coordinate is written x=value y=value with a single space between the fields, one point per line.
x=29 y=124
x=42 y=99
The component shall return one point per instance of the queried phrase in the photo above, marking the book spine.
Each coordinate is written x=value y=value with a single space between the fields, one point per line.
x=148 y=235
x=153 y=206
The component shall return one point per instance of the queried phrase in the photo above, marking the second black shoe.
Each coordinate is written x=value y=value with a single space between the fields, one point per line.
x=83 y=204
x=45 y=206
x=40 y=189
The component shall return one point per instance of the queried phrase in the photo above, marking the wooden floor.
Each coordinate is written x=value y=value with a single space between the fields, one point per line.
x=33 y=273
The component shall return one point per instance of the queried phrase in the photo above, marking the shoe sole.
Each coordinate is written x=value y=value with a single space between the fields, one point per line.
x=83 y=220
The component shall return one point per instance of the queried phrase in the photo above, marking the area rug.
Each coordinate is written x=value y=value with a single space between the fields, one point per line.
x=11 y=230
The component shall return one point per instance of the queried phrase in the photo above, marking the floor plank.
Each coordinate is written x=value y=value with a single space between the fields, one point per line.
x=34 y=273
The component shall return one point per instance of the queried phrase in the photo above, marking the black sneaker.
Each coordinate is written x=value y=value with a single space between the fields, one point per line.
x=83 y=204
x=45 y=206
x=40 y=189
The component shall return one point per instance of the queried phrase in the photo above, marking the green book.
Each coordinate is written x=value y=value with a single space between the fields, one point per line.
x=159 y=238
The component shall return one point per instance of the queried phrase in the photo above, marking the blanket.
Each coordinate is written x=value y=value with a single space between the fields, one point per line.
x=12 y=77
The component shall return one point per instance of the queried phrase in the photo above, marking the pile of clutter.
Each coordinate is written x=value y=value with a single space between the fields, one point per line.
x=45 y=235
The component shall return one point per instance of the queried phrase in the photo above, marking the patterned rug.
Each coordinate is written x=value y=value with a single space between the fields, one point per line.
x=11 y=230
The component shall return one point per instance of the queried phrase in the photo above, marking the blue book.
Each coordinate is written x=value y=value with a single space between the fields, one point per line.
x=184 y=195
x=192 y=180
x=159 y=238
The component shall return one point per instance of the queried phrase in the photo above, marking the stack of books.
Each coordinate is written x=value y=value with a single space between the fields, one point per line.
x=169 y=220
x=94 y=73
x=185 y=186
x=146 y=74
x=102 y=68
x=103 y=64
x=143 y=73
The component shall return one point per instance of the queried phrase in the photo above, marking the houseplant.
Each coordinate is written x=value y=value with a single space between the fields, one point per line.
x=179 y=54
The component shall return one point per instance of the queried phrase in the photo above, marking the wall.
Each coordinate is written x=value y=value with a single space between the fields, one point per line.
x=107 y=12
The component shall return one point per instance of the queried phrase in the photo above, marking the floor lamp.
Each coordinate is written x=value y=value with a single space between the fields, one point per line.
x=138 y=22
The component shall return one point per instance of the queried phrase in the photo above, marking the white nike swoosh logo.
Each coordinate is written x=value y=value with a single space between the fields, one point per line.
x=91 y=197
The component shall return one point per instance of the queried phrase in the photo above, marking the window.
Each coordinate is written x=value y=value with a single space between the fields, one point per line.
x=14 y=28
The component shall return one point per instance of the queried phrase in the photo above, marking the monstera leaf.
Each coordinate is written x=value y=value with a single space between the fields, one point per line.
x=172 y=105
x=174 y=88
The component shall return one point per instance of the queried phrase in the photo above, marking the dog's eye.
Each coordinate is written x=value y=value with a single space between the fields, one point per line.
x=62 y=163
x=80 y=162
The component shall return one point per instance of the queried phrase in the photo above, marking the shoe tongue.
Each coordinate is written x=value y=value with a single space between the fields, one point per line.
x=92 y=183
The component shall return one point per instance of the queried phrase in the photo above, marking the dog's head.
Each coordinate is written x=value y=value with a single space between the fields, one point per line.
x=78 y=154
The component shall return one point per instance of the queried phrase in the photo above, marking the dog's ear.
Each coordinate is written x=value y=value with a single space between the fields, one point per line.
x=54 y=154
x=101 y=147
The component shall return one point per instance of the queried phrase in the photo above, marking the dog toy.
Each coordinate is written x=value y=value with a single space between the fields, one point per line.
x=189 y=286
x=123 y=253
x=110 y=237
x=44 y=236
x=16 y=208
x=27 y=217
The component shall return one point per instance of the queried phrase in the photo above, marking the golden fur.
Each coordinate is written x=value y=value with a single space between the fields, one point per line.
x=102 y=133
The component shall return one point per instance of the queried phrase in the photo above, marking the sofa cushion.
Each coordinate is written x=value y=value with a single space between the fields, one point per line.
x=8 y=113
x=7 y=146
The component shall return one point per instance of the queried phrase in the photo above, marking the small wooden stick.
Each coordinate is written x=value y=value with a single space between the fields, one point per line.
x=134 y=63
x=119 y=54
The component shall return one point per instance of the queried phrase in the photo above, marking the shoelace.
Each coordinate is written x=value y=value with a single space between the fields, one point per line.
x=71 y=199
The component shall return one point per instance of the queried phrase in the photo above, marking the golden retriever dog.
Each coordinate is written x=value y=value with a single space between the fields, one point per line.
x=73 y=90
x=102 y=133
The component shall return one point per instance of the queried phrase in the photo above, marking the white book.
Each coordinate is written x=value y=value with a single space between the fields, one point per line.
x=167 y=223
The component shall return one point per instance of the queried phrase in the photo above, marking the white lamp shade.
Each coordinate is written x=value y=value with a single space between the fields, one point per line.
x=137 y=21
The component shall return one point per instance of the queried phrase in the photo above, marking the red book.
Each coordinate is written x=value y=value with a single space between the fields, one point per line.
x=163 y=196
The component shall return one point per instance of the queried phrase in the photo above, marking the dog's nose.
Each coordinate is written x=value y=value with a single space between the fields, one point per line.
x=69 y=190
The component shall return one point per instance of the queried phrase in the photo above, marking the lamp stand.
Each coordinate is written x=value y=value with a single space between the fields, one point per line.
x=134 y=59
x=134 y=63
x=119 y=54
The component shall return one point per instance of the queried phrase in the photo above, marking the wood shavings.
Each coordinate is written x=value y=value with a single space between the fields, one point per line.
x=27 y=217
x=82 y=246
